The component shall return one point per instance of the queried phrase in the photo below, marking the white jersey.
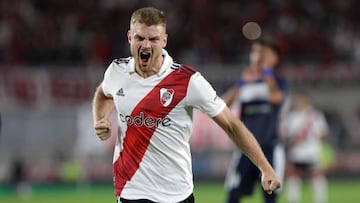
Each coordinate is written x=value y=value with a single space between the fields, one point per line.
x=306 y=129
x=152 y=157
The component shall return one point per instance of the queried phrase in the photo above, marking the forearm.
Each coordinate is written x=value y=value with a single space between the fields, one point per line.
x=247 y=143
x=242 y=138
x=102 y=106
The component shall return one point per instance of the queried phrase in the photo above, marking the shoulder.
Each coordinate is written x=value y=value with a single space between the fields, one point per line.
x=318 y=113
x=184 y=69
x=120 y=64
x=117 y=68
x=122 y=61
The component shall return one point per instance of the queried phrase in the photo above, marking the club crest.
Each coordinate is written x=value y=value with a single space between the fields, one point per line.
x=166 y=96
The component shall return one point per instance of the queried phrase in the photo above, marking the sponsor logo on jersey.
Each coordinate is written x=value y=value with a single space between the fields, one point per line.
x=166 y=96
x=141 y=120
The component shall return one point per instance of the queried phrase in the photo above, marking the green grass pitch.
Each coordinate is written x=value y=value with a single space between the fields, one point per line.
x=340 y=191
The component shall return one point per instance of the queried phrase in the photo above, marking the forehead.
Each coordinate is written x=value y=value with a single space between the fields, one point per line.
x=145 y=30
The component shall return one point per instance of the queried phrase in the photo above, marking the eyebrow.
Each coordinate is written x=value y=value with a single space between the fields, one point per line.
x=142 y=37
x=139 y=36
x=155 y=38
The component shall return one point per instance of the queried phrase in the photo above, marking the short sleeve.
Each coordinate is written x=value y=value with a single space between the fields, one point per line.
x=202 y=96
x=106 y=83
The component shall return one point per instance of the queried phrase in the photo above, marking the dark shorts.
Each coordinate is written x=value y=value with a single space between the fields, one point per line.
x=190 y=199
x=304 y=166
x=248 y=174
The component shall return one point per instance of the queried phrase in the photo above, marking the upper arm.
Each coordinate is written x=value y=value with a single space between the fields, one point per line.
x=100 y=94
x=202 y=96
x=103 y=105
x=225 y=119
x=236 y=130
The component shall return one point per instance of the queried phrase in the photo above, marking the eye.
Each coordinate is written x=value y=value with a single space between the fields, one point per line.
x=139 y=38
x=154 y=39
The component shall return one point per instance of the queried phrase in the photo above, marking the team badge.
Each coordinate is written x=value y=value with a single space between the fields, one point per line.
x=166 y=96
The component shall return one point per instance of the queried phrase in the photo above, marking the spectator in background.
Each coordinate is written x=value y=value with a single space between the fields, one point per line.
x=70 y=30
x=304 y=131
x=261 y=94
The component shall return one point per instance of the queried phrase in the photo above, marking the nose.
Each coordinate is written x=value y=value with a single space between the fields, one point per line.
x=146 y=44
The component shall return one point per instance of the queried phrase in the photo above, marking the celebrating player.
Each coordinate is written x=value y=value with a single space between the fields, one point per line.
x=154 y=98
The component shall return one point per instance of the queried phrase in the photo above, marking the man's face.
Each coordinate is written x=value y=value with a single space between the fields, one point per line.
x=301 y=102
x=146 y=44
x=269 y=57
x=263 y=56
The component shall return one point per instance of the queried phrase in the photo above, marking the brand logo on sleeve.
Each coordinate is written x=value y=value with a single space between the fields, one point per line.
x=166 y=96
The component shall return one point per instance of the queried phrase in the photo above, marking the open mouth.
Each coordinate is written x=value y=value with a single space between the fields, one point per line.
x=144 y=58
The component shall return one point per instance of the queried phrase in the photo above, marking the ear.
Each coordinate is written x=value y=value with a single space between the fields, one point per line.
x=165 y=41
x=129 y=36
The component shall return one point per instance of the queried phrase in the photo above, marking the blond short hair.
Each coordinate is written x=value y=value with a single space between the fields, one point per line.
x=148 y=16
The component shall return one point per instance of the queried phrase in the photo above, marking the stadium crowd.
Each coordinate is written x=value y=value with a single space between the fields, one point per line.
x=86 y=32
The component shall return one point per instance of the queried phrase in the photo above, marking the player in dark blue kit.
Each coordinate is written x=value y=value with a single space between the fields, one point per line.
x=261 y=95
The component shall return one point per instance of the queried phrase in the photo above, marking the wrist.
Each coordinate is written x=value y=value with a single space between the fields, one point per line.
x=266 y=169
x=240 y=83
x=268 y=72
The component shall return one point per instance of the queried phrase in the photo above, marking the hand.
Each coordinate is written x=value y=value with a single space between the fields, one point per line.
x=103 y=129
x=270 y=182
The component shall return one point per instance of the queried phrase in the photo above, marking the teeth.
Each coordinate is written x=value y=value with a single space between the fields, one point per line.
x=145 y=55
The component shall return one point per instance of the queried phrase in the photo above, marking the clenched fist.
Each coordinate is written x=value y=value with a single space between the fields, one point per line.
x=270 y=182
x=103 y=129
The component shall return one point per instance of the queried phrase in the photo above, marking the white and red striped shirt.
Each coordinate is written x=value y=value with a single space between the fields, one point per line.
x=152 y=158
x=305 y=128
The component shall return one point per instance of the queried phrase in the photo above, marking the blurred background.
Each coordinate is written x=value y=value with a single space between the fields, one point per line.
x=53 y=54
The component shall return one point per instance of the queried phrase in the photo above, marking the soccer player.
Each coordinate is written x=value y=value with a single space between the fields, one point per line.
x=261 y=96
x=305 y=129
x=154 y=98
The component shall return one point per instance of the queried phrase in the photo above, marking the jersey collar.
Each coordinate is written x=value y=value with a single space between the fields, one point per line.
x=166 y=63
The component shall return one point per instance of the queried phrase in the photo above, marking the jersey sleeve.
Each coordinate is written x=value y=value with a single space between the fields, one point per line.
x=202 y=96
x=106 y=83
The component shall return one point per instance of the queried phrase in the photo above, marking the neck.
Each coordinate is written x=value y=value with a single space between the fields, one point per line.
x=153 y=69
x=147 y=73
